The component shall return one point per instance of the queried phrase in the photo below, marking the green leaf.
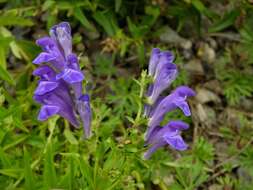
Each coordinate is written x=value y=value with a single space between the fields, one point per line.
x=14 y=21
x=136 y=31
x=2 y=57
x=49 y=174
x=4 y=41
x=70 y=137
x=78 y=13
x=225 y=22
x=5 y=161
x=28 y=49
x=6 y=76
x=107 y=21
x=18 y=139
x=29 y=181
x=199 y=5
x=87 y=172
x=202 y=9
x=117 y=5
x=68 y=180
x=15 y=173
x=141 y=53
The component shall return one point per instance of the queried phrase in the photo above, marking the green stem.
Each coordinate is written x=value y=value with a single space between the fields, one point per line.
x=96 y=156
x=141 y=94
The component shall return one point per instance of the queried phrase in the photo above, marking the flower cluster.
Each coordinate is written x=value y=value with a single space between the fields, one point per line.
x=164 y=71
x=60 y=89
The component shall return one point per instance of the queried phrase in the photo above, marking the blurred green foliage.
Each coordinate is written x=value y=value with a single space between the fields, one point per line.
x=112 y=39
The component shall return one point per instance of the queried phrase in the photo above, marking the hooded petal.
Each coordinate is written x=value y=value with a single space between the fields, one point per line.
x=85 y=113
x=177 y=99
x=184 y=91
x=45 y=87
x=71 y=76
x=44 y=58
x=56 y=98
x=45 y=72
x=73 y=62
x=166 y=57
x=169 y=134
x=47 y=44
x=176 y=142
x=153 y=62
x=62 y=34
x=183 y=105
x=47 y=111
x=167 y=75
x=178 y=125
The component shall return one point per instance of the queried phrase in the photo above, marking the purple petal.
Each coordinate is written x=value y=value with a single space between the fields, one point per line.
x=184 y=91
x=73 y=62
x=177 y=124
x=152 y=149
x=85 y=113
x=177 y=99
x=176 y=142
x=44 y=72
x=154 y=59
x=47 y=111
x=166 y=57
x=44 y=58
x=151 y=134
x=63 y=25
x=46 y=43
x=62 y=34
x=167 y=75
x=183 y=105
x=45 y=87
x=60 y=99
x=169 y=134
x=70 y=76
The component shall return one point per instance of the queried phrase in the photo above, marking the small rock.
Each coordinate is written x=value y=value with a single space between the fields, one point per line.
x=205 y=96
x=195 y=67
x=215 y=86
x=168 y=35
x=201 y=113
x=187 y=54
x=244 y=174
x=186 y=44
x=247 y=104
x=206 y=53
x=206 y=115
x=215 y=187
x=212 y=43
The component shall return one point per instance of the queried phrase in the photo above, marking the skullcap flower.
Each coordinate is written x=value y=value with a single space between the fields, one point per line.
x=164 y=71
x=60 y=89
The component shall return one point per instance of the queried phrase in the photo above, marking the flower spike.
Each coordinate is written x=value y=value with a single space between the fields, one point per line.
x=60 y=86
x=164 y=72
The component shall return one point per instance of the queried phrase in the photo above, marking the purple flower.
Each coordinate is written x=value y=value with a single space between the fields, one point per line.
x=167 y=135
x=60 y=89
x=164 y=72
x=85 y=111
x=154 y=59
x=177 y=99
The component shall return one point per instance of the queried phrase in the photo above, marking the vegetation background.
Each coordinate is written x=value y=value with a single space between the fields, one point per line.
x=213 y=44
